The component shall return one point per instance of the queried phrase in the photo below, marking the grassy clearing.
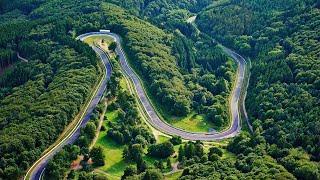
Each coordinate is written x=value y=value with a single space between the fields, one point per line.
x=173 y=176
x=228 y=155
x=98 y=38
x=123 y=83
x=193 y=122
x=162 y=138
x=112 y=151
x=113 y=156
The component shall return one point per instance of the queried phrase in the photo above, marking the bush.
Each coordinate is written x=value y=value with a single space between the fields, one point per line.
x=112 y=46
x=162 y=150
x=215 y=150
x=175 y=140
x=97 y=156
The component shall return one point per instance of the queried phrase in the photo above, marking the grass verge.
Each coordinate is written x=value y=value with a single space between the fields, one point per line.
x=192 y=122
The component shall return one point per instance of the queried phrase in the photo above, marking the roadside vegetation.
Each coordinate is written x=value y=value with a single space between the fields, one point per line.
x=200 y=84
x=186 y=74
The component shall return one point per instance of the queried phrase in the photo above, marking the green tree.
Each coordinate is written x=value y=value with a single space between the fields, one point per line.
x=141 y=165
x=97 y=156
x=176 y=140
x=162 y=150
x=112 y=46
x=181 y=153
x=169 y=165
x=129 y=171
x=90 y=130
x=152 y=174
x=215 y=150
x=71 y=175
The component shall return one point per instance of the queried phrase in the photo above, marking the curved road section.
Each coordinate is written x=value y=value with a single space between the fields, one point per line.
x=36 y=171
x=165 y=127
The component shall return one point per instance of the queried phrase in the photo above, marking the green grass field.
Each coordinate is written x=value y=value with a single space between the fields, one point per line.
x=173 y=176
x=193 y=122
x=112 y=151
x=162 y=139
x=98 y=38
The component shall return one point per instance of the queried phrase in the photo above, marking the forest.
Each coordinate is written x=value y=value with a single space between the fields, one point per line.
x=186 y=71
x=39 y=98
x=282 y=40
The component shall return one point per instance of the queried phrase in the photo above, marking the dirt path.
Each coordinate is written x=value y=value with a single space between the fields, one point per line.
x=21 y=58
x=174 y=169
x=100 y=124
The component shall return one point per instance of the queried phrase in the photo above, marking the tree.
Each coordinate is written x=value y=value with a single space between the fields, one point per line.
x=181 y=153
x=169 y=165
x=162 y=150
x=152 y=174
x=136 y=151
x=71 y=175
x=129 y=171
x=126 y=153
x=85 y=176
x=83 y=141
x=159 y=165
x=213 y=157
x=97 y=156
x=175 y=140
x=189 y=150
x=139 y=139
x=74 y=151
x=141 y=165
x=112 y=46
x=199 y=151
x=133 y=152
x=10 y=172
x=90 y=130
x=307 y=171
x=215 y=150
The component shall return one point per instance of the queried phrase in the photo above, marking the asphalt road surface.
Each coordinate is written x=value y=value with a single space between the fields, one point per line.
x=37 y=170
x=165 y=127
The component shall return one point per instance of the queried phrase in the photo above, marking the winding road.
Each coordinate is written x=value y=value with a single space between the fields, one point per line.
x=153 y=118
x=36 y=171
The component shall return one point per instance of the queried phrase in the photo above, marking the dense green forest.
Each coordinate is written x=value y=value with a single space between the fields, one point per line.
x=203 y=79
x=282 y=40
x=39 y=98
x=250 y=163
x=185 y=70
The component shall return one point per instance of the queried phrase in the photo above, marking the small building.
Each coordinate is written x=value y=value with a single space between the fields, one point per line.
x=104 y=31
